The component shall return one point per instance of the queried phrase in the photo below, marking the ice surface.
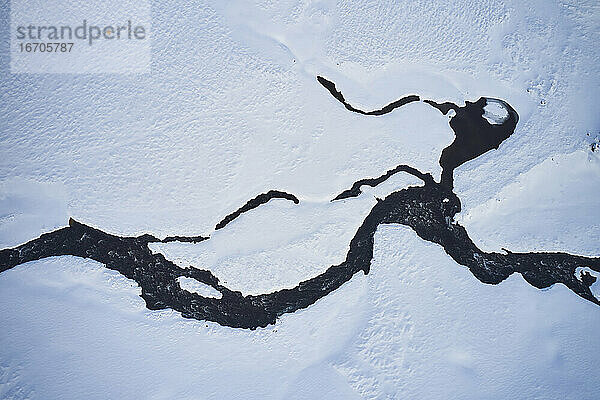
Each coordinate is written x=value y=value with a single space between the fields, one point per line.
x=495 y=113
x=595 y=288
x=232 y=109
x=534 y=207
x=281 y=244
x=193 y=286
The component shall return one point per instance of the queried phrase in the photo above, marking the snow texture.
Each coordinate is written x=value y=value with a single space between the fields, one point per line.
x=495 y=113
x=193 y=286
x=232 y=109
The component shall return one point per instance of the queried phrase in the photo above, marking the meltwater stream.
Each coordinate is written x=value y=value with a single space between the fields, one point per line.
x=428 y=209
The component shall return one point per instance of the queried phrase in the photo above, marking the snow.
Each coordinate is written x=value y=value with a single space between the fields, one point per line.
x=433 y=332
x=230 y=109
x=495 y=112
x=87 y=54
x=193 y=286
x=88 y=334
x=551 y=207
x=417 y=325
x=595 y=288
x=281 y=244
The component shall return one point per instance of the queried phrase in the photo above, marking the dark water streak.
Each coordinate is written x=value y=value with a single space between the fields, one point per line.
x=384 y=110
x=256 y=202
x=355 y=190
x=429 y=210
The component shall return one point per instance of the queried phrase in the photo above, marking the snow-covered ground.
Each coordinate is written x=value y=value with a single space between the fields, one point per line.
x=231 y=109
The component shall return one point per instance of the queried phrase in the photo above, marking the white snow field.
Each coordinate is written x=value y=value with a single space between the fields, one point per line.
x=230 y=109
